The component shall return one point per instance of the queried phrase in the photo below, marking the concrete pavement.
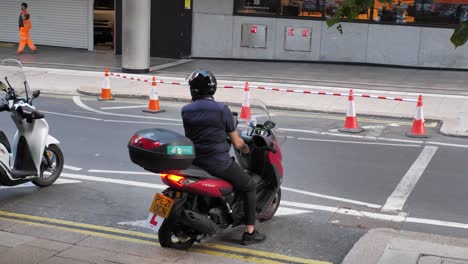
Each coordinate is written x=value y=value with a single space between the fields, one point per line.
x=388 y=246
x=23 y=242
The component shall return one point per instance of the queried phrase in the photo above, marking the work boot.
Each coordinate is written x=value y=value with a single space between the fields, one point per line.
x=252 y=238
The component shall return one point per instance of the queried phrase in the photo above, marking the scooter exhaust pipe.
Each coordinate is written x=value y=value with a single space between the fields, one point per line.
x=199 y=222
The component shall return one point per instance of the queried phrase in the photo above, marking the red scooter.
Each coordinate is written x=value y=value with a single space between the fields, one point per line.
x=198 y=204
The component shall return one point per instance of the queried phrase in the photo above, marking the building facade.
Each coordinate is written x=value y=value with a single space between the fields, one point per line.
x=412 y=33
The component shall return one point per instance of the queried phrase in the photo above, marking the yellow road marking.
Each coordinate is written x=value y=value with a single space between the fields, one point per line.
x=5 y=215
x=7 y=45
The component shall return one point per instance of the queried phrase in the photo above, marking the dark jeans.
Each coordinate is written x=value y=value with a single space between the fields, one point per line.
x=244 y=183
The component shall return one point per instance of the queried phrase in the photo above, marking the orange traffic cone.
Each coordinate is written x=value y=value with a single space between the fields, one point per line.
x=351 y=124
x=418 y=130
x=153 y=104
x=245 y=111
x=106 y=90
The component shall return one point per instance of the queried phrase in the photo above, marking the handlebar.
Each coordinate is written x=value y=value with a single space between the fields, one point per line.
x=29 y=113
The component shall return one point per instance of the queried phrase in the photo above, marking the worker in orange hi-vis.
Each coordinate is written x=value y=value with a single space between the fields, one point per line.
x=24 y=27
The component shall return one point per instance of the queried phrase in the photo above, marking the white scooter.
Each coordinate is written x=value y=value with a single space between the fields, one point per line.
x=35 y=156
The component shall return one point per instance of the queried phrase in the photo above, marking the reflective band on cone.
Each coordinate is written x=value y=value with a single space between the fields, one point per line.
x=351 y=124
x=245 y=111
x=153 y=104
x=106 y=90
x=418 y=130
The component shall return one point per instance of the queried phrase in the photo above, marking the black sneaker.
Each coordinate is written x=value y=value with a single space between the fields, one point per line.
x=253 y=238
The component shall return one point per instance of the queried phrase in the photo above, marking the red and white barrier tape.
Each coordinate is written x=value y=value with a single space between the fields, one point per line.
x=272 y=89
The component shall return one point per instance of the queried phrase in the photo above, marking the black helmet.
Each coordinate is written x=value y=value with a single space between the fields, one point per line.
x=202 y=84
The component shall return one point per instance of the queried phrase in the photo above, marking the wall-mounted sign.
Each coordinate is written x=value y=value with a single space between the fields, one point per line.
x=301 y=41
x=187 y=4
x=253 y=35
x=253 y=29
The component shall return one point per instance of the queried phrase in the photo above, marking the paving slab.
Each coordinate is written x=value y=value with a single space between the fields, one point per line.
x=46 y=233
x=48 y=244
x=142 y=250
x=399 y=256
x=59 y=260
x=94 y=255
x=6 y=223
x=26 y=255
x=9 y=239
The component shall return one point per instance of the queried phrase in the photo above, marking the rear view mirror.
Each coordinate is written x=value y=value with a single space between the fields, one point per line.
x=36 y=94
x=269 y=125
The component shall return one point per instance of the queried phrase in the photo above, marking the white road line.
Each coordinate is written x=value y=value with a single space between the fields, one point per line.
x=79 y=103
x=398 y=198
x=26 y=185
x=143 y=122
x=436 y=222
x=359 y=142
x=116 y=181
x=123 y=107
x=124 y=172
x=68 y=167
x=446 y=144
x=332 y=198
x=76 y=116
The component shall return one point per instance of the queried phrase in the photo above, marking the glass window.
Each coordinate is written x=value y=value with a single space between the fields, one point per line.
x=438 y=12
x=400 y=12
x=265 y=7
x=303 y=8
x=332 y=5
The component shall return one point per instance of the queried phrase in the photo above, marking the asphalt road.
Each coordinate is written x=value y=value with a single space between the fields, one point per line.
x=328 y=175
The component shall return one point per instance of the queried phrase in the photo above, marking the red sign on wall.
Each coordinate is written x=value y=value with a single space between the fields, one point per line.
x=291 y=32
x=253 y=29
x=305 y=33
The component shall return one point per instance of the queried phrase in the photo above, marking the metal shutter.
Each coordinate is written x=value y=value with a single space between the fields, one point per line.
x=61 y=23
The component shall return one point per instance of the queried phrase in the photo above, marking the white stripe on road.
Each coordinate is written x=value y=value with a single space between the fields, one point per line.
x=68 y=167
x=26 y=185
x=359 y=142
x=76 y=116
x=143 y=122
x=447 y=144
x=332 y=198
x=123 y=107
x=79 y=103
x=398 y=198
x=116 y=181
x=124 y=172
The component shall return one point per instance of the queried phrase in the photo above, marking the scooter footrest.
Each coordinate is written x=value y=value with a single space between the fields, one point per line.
x=19 y=174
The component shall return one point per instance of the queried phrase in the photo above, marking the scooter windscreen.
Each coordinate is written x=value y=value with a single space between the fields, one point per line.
x=13 y=78
x=261 y=123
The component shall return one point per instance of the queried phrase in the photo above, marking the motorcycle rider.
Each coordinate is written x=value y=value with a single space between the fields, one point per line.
x=208 y=124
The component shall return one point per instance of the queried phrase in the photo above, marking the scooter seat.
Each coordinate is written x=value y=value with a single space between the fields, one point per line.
x=197 y=172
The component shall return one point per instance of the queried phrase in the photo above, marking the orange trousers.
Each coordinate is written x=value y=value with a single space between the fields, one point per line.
x=25 y=39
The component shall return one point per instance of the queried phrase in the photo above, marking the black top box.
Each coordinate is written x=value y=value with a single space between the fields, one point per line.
x=160 y=150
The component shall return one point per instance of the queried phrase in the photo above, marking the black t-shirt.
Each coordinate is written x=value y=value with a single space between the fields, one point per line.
x=207 y=123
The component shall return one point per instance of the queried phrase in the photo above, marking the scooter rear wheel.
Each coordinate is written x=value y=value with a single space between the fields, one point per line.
x=171 y=235
x=50 y=172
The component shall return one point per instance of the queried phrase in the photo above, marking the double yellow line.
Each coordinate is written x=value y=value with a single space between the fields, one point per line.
x=244 y=254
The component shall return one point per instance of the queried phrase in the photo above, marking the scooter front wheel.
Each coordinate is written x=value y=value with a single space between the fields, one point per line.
x=51 y=166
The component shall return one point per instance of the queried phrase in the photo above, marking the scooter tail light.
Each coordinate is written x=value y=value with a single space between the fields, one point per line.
x=176 y=179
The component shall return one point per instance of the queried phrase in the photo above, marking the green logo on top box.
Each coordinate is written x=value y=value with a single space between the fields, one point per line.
x=180 y=150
